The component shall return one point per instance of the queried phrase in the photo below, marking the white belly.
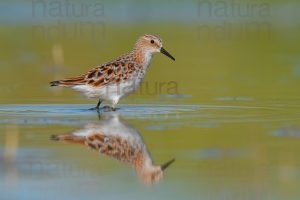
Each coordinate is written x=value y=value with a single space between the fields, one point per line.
x=112 y=92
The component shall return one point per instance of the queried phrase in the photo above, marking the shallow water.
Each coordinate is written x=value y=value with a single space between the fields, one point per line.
x=221 y=152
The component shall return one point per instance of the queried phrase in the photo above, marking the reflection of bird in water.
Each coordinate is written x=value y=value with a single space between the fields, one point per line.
x=116 y=139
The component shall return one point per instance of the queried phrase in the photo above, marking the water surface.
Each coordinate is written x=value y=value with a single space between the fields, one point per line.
x=237 y=152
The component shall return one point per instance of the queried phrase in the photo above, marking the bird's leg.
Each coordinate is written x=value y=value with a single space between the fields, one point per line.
x=97 y=107
x=98 y=104
x=99 y=114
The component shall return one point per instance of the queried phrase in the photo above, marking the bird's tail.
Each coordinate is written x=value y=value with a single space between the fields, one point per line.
x=68 y=138
x=80 y=80
x=55 y=83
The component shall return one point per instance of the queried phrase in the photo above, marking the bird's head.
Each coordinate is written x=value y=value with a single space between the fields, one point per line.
x=151 y=44
x=153 y=174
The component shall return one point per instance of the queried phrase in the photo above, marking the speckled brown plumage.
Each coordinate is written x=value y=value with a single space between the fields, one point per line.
x=120 y=141
x=113 y=72
x=112 y=146
x=107 y=81
x=116 y=147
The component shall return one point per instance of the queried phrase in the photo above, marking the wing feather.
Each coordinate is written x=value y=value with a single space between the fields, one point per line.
x=108 y=73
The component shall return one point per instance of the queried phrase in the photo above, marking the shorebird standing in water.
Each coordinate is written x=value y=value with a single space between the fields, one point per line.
x=118 y=78
x=113 y=138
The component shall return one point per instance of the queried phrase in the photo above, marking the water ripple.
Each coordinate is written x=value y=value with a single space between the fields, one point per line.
x=197 y=115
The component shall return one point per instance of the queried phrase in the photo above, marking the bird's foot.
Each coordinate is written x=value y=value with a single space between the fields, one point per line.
x=104 y=109
x=95 y=108
x=108 y=108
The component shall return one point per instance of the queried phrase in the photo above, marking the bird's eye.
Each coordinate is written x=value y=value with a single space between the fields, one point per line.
x=152 y=41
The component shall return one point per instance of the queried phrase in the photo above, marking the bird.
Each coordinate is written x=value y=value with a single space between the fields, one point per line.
x=114 y=138
x=117 y=78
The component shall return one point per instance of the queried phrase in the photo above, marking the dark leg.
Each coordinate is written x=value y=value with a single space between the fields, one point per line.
x=98 y=104
x=97 y=107
x=99 y=114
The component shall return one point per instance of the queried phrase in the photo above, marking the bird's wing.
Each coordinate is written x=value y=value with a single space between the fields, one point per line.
x=112 y=72
x=115 y=72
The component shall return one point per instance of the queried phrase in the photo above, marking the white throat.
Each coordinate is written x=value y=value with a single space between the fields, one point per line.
x=147 y=59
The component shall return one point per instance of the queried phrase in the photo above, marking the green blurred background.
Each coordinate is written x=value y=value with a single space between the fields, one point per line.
x=223 y=48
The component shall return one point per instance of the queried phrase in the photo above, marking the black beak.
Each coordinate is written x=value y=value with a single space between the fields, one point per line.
x=167 y=164
x=163 y=51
